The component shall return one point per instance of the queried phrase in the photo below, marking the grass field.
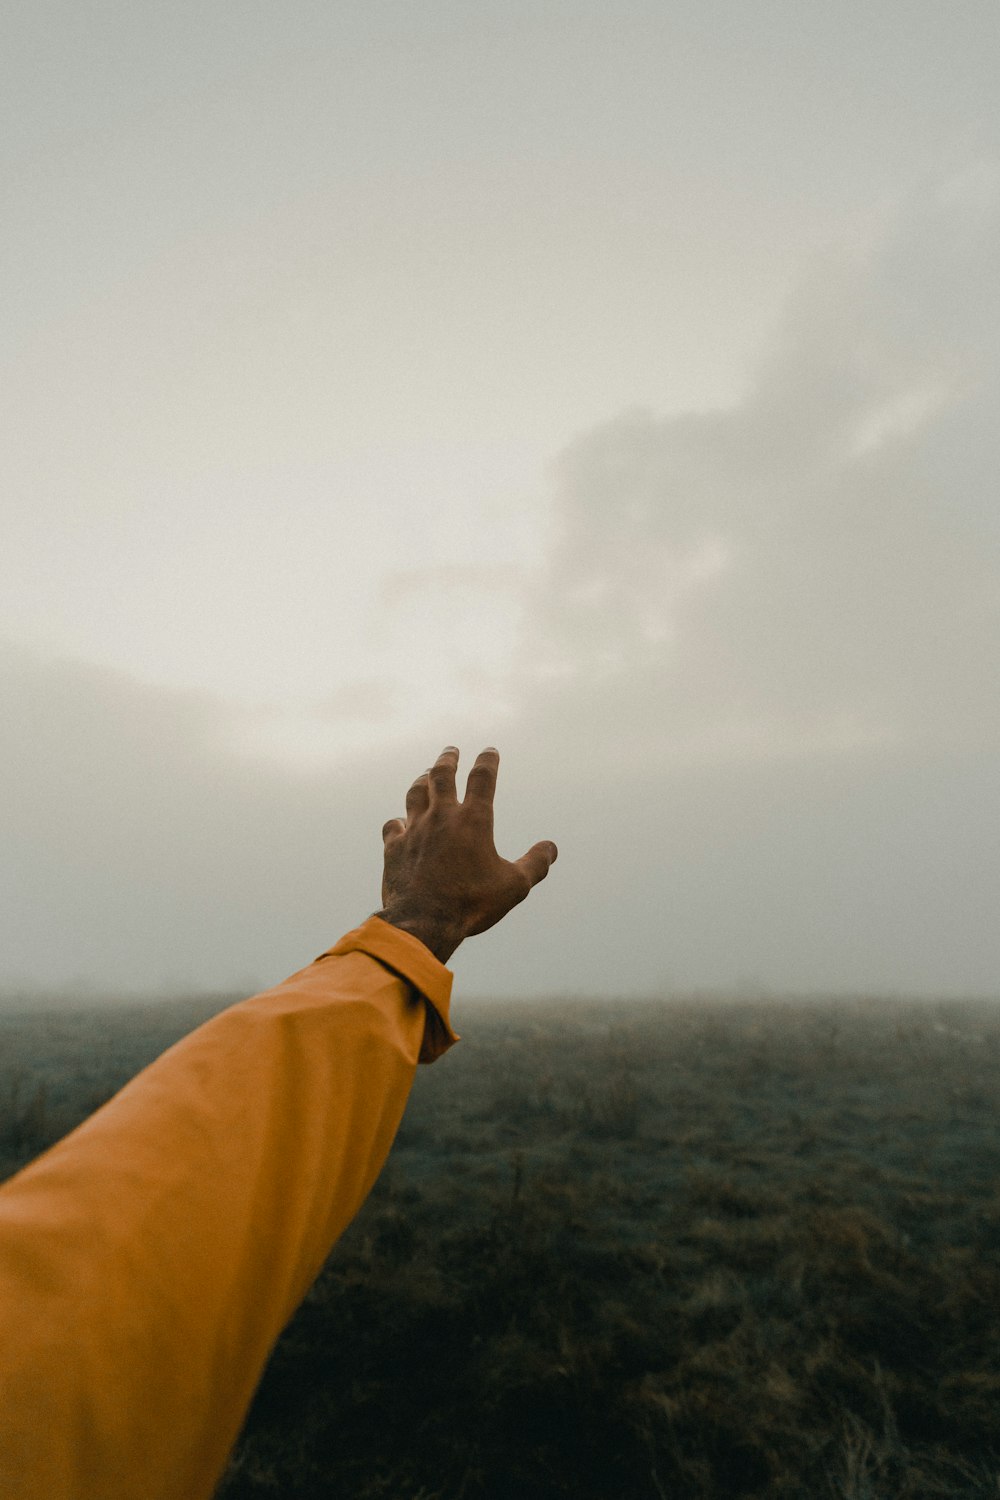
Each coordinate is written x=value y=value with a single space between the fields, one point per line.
x=686 y=1249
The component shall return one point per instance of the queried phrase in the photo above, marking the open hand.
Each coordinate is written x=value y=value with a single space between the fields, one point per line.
x=444 y=880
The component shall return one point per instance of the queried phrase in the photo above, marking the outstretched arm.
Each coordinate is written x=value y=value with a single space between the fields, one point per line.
x=149 y=1261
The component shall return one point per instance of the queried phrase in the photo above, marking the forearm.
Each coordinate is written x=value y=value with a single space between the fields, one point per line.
x=149 y=1261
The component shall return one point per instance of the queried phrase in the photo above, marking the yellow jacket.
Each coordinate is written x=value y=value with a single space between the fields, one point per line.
x=149 y=1261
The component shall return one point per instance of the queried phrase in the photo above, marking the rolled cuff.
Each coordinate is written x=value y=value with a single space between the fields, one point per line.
x=408 y=957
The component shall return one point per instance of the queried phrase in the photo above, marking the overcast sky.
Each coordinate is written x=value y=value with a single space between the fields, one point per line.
x=616 y=384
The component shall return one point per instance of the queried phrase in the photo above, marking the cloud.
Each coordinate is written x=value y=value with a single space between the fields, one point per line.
x=368 y=699
x=330 y=730
x=815 y=571
x=757 y=686
x=752 y=692
x=468 y=579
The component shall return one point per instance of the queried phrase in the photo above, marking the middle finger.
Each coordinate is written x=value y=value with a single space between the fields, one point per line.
x=441 y=775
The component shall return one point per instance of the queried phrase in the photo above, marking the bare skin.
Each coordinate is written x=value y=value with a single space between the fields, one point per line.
x=443 y=879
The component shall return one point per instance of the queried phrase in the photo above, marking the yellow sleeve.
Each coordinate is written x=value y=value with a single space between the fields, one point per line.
x=149 y=1261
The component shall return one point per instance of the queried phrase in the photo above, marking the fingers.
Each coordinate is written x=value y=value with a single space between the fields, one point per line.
x=390 y=829
x=538 y=860
x=417 y=797
x=441 y=775
x=482 y=782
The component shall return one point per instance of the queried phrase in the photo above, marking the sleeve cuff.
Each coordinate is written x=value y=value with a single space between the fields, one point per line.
x=408 y=957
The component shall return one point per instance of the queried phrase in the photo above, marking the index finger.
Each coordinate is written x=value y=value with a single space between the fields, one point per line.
x=441 y=775
x=482 y=782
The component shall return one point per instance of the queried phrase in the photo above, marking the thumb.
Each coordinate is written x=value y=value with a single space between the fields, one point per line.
x=535 y=864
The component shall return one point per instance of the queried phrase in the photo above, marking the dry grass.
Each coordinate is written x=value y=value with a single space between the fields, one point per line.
x=696 y=1250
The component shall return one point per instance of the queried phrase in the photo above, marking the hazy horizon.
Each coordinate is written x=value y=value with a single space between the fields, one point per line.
x=619 y=389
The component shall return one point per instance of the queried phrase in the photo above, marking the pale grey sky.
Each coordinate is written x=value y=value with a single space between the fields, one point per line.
x=615 y=384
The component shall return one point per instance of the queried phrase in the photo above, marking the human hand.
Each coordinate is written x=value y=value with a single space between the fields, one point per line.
x=443 y=879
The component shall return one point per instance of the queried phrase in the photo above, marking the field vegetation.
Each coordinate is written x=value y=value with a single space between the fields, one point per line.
x=688 y=1250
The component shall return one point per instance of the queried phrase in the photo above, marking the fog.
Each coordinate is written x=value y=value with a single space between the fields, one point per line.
x=755 y=701
x=741 y=655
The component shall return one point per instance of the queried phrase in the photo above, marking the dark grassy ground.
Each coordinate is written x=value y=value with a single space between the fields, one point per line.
x=678 y=1250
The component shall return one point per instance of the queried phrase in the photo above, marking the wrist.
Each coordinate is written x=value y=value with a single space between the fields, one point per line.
x=436 y=930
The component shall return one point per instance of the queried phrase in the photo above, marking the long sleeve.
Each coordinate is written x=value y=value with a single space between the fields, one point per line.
x=149 y=1261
